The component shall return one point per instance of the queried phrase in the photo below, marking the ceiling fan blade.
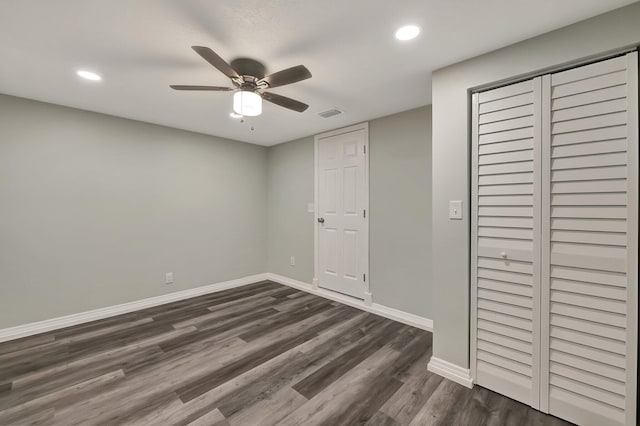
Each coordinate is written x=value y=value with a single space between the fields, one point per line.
x=285 y=102
x=215 y=60
x=210 y=88
x=288 y=76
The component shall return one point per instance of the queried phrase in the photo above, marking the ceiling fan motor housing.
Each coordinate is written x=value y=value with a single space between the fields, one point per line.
x=249 y=67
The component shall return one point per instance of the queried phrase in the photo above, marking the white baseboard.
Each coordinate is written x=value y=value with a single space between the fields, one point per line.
x=374 y=308
x=110 y=311
x=451 y=371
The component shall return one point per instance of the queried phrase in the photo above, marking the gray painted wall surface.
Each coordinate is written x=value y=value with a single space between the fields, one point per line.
x=95 y=209
x=400 y=204
x=451 y=141
x=400 y=210
x=290 y=225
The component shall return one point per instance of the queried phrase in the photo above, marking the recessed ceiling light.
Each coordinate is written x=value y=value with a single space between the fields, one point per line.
x=89 y=75
x=234 y=115
x=408 y=32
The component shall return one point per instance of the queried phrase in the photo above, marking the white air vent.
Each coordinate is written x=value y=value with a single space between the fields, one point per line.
x=330 y=113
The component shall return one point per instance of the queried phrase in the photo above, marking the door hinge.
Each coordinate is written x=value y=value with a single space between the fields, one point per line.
x=364 y=213
x=364 y=149
x=364 y=277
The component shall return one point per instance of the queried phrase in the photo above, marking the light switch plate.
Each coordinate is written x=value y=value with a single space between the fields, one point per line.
x=455 y=209
x=311 y=208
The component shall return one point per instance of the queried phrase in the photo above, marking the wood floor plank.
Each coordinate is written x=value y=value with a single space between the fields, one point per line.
x=261 y=354
x=329 y=343
x=44 y=417
x=25 y=343
x=285 y=318
x=506 y=412
x=212 y=418
x=269 y=411
x=241 y=306
x=37 y=385
x=315 y=383
x=327 y=347
x=474 y=408
x=363 y=408
x=74 y=393
x=222 y=326
x=440 y=405
x=338 y=398
x=247 y=362
x=405 y=404
x=152 y=384
x=381 y=419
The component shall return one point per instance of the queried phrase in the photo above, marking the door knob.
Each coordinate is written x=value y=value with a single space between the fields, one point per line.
x=321 y=220
x=503 y=254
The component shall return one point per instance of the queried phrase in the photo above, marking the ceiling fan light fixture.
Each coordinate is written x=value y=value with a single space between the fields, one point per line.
x=247 y=103
x=235 y=115
x=408 y=32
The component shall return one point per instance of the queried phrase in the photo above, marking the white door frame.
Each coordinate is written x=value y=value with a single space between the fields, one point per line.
x=316 y=251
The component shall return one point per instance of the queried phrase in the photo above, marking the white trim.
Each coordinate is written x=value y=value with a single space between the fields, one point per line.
x=374 y=308
x=632 y=238
x=368 y=298
x=316 y=252
x=110 y=311
x=450 y=371
x=473 y=305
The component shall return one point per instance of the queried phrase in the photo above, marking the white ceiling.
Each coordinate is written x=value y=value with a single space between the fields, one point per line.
x=141 y=46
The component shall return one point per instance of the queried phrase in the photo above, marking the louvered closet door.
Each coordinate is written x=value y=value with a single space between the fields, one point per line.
x=505 y=252
x=589 y=278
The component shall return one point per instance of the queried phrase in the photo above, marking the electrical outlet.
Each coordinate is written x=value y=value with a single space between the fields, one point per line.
x=292 y=261
x=168 y=278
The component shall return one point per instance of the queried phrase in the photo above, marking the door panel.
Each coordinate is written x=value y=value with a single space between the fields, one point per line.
x=505 y=261
x=342 y=201
x=589 y=315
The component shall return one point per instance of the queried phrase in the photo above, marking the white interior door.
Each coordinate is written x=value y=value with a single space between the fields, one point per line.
x=505 y=249
x=590 y=240
x=342 y=247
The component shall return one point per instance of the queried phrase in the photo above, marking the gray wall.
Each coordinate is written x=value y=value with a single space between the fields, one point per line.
x=400 y=204
x=400 y=210
x=290 y=225
x=95 y=209
x=451 y=85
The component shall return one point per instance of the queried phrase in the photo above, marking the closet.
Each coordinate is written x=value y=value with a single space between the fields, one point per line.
x=554 y=238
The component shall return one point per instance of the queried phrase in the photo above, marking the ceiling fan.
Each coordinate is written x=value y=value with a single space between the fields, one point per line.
x=248 y=77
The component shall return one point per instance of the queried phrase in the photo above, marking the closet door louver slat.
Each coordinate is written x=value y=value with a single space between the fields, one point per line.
x=505 y=258
x=589 y=241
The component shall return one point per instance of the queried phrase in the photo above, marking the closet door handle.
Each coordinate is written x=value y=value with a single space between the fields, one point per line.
x=321 y=220
x=503 y=254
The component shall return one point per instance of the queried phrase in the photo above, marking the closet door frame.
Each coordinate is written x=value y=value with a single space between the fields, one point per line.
x=473 y=335
x=632 y=243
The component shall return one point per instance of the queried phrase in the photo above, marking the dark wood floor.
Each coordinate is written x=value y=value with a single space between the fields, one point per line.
x=262 y=354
